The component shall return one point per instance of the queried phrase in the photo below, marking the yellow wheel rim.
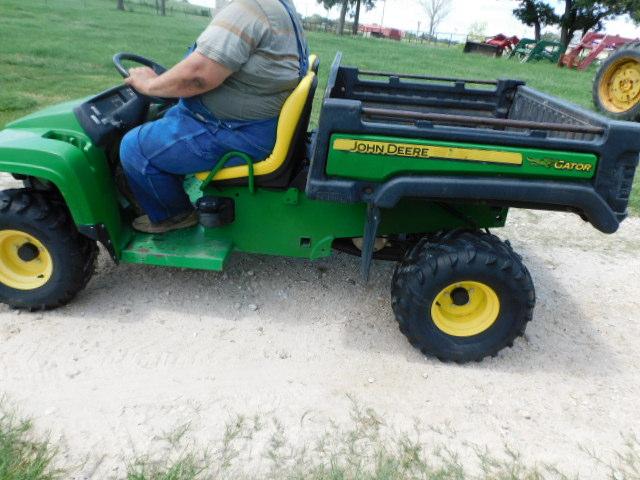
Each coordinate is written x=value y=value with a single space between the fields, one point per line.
x=25 y=263
x=619 y=88
x=465 y=309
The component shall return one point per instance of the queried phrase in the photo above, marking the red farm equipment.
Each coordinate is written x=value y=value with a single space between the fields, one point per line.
x=492 y=46
x=378 y=31
x=592 y=46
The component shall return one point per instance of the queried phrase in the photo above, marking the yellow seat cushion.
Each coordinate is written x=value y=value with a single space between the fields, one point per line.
x=288 y=120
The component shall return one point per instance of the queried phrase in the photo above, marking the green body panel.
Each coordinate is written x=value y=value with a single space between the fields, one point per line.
x=50 y=145
x=379 y=167
x=56 y=116
x=287 y=223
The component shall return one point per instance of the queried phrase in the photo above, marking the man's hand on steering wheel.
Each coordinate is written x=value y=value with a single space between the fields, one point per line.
x=139 y=78
x=194 y=75
x=140 y=81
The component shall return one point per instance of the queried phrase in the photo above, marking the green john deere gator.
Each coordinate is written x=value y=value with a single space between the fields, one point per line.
x=408 y=168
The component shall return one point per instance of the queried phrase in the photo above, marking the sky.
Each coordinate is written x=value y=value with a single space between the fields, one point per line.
x=405 y=14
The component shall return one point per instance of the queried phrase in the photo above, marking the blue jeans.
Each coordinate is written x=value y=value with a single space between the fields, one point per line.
x=188 y=139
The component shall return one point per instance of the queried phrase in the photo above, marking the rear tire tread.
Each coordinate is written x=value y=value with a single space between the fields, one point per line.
x=444 y=252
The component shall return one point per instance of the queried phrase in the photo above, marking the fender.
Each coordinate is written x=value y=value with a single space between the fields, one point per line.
x=67 y=159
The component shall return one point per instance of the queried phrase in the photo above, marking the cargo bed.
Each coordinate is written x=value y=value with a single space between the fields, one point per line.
x=452 y=140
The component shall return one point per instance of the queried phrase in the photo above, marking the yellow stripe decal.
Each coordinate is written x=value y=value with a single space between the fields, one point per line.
x=415 y=150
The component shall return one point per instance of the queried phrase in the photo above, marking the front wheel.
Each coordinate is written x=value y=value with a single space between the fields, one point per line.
x=462 y=296
x=44 y=261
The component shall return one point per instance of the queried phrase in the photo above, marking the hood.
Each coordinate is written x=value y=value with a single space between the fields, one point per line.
x=59 y=116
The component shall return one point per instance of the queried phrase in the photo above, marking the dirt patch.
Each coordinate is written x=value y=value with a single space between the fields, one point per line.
x=146 y=349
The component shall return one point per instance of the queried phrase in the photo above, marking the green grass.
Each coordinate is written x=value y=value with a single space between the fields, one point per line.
x=259 y=448
x=60 y=49
x=53 y=50
x=22 y=455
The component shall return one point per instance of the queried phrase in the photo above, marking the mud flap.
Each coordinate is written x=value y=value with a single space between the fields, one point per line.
x=370 y=233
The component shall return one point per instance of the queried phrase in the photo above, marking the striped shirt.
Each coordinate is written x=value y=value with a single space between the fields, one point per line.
x=256 y=40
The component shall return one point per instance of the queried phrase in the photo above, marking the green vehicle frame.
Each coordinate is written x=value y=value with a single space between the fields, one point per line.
x=405 y=168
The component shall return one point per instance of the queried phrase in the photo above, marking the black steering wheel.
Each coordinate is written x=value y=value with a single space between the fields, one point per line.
x=118 y=58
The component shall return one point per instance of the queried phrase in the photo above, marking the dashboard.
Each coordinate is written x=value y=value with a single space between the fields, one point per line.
x=111 y=114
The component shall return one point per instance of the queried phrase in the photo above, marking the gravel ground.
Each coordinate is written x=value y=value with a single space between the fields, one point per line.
x=145 y=349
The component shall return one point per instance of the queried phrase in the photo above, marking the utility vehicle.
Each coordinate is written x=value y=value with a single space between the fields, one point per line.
x=409 y=168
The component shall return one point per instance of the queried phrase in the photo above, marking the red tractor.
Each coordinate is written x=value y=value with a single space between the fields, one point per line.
x=492 y=46
x=590 y=48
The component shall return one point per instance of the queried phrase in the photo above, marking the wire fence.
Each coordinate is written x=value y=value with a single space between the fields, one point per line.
x=171 y=8
x=441 y=38
x=438 y=38
x=310 y=24
x=324 y=27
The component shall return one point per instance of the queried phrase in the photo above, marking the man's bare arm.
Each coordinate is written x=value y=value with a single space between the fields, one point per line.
x=194 y=75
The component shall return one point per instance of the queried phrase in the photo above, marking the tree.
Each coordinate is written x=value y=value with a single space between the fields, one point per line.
x=120 y=4
x=578 y=15
x=343 y=15
x=356 y=18
x=345 y=7
x=436 y=10
x=584 y=15
x=161 y=7
x=536 y=14
x=368 y=5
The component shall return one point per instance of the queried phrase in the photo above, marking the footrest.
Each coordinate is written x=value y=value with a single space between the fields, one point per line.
x=189 y=248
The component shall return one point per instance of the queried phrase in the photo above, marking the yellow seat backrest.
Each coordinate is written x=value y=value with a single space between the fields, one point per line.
x=288 y=121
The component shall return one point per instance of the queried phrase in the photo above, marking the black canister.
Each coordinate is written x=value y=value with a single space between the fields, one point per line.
x=215 y=211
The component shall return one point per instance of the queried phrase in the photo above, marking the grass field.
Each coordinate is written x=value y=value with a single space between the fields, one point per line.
x=53 y=50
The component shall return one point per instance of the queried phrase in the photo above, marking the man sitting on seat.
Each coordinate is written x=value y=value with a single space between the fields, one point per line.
x=231 y=89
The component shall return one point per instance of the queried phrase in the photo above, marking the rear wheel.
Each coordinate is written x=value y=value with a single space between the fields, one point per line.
x=44 y=261
x=616 y=88
x=462 y=296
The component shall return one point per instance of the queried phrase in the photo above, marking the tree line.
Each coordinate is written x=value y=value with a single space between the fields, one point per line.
x=435 y=10
x=345 y=7
x=577 y=15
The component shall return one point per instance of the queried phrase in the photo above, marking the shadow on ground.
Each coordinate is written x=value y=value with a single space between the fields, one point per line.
x=328 y=294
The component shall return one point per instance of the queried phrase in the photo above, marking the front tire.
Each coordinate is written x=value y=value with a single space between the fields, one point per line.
x=44 y=260
x=462 y=296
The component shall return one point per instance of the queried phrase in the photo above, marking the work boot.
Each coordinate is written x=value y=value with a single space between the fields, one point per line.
x=184 y=220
